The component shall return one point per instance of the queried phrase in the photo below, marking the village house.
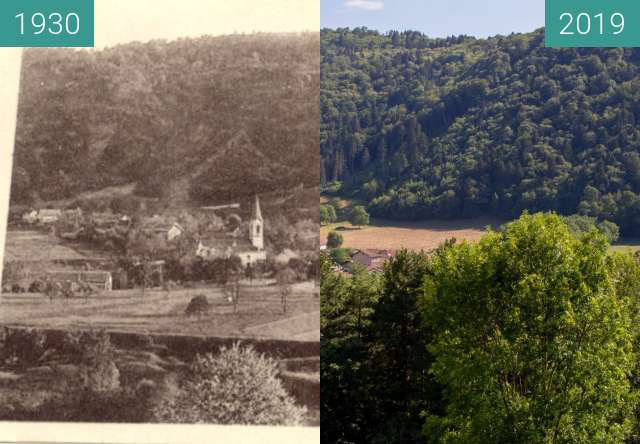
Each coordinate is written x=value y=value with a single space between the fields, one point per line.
x=30 y=217
x=105 y=220
x=46 y=216
x=249 y=249
x=73 y=217
x=159 y=225
x=175 y=232
x=286 y=256
x=372 y=259
x=100 y=280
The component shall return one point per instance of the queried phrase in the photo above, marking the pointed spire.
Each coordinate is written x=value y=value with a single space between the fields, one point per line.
x=256 y=213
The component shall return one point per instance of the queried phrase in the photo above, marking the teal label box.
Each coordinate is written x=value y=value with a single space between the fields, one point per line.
x=592 y=23
x=43 y=23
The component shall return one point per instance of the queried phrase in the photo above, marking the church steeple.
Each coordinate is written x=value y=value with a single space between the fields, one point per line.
x=256 y=213
x=256 y=226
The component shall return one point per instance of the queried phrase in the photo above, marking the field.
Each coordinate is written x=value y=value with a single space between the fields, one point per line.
x=424 y=235
x=259 y=312
x=630 y=245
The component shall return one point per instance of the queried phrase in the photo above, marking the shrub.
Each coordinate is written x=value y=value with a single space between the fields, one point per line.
x=327 y=214
x=580 y=225
x=332 y=187
x=359 y=216
x=100 y=373
x=198 y=305
x=23 y=347
x=103 y=377
x=238 y=386
x=334 y=240
x=340 y=256
x=610 y=230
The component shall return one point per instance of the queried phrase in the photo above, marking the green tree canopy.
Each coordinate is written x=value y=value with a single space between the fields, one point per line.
x=334 y=239
x=327 y=214
x=340 y=255
x=533 y=337
x=580 y=225
x=359 y=216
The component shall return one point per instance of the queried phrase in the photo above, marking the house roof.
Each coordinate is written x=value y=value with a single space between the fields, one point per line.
x=89 y=276
x=49 y=212
x=375 y=254
x=159 y=224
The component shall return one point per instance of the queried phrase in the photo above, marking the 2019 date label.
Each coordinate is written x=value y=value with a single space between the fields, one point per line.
x=592 y=23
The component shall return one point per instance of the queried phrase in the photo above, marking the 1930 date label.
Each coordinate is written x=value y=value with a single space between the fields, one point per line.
x=42 y=23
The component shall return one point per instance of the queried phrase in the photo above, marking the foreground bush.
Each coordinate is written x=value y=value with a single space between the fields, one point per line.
x=237 y=386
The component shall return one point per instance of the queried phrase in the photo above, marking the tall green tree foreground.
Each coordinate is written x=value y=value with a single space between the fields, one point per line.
x=404 y=389
x=346 y=308
x=534 y=338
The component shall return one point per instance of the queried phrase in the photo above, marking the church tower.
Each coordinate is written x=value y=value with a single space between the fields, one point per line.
x=256 y=226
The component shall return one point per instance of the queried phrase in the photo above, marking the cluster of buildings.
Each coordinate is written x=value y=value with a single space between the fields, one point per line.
x=248 y=247
x=245 y=241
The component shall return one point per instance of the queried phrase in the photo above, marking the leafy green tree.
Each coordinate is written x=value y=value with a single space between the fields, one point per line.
x=334 y=239
x=580 y=225
x=327 y=214
x=533 y=338
x=610 y=230
x=359 y=216
x=340 y=255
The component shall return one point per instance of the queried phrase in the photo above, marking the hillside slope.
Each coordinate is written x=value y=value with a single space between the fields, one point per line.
x=155 y=113
x=460 y=127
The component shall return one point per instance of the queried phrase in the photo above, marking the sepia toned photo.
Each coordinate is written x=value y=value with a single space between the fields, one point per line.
x=161 y=255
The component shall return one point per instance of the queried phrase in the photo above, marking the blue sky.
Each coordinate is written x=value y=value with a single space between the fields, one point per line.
x=436 y=18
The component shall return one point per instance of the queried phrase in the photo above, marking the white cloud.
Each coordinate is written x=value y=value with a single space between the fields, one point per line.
x=366 y=5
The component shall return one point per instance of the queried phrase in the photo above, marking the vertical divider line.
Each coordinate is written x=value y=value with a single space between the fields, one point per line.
x=10 y=70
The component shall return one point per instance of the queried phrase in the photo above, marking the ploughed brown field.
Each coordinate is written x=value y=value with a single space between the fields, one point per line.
x=423 y=235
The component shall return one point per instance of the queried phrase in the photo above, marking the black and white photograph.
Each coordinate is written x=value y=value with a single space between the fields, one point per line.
x=160 y=262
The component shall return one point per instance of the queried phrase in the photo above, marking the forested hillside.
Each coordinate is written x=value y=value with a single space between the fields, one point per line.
x=204 y=118
x=457 y=127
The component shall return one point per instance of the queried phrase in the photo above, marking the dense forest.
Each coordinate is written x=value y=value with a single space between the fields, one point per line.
x=196 y=119
x=457 y=127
